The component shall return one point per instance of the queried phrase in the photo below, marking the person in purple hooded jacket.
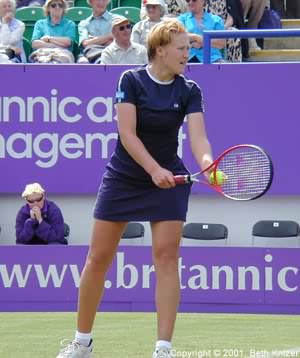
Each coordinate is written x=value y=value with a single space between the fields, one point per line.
x=39 y=221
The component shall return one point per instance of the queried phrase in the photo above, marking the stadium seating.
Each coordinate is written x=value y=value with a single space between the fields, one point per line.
x=27 y=47
x=204 y=232
x=66 y=231
x=81 y=3
x=133 y=235
x=276 y=233
x=84 y=3
x=78 y=13
x=130 y=12
x=29 y=15
x=133 y=231
x=131 y=3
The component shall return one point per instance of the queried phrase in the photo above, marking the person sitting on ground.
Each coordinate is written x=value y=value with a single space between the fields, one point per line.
x=122 y=50
x=155 y=10
x=53 y=37
x=11 y=33
x=95 y=32
x=39 y=221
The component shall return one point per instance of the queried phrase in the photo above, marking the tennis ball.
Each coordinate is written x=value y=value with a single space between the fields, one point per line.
x=220 y=178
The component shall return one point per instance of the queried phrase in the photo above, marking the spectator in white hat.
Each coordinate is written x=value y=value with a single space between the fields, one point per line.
x=155 y=10
x=122 y=50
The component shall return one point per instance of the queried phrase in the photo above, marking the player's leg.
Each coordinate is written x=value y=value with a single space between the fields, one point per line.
x=166 y=236
x=105 y=238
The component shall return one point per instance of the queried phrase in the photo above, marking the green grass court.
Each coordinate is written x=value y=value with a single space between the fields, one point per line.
x=132 y=335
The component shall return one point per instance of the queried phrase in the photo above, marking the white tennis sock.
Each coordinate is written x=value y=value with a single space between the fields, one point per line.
x=166 y=344
x=83 y=338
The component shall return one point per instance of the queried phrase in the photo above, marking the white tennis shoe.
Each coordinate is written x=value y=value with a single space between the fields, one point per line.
x=76 y=350
x=162 y=352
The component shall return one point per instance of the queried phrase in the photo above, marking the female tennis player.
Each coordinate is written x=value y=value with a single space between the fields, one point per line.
x=138 y=185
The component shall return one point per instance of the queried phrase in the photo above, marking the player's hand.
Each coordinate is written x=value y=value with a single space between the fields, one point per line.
x=163 y=178
x=37 y=213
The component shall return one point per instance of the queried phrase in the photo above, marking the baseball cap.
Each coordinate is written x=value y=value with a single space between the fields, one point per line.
x=117 y=20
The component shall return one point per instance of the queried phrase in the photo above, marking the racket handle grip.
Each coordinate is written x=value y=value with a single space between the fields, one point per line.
x=182 y=179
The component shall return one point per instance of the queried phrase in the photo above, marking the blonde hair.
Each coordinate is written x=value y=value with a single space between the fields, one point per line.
x=161 y=35
x=32 y=188
x=48 y=3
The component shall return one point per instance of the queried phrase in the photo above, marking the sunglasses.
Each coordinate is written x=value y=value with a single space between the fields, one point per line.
x=190 y=0
x=38 y=200
x=54 y=5
x=123 y=27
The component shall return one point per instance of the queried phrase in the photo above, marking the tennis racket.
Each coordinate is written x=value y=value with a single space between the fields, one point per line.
x=247 y=170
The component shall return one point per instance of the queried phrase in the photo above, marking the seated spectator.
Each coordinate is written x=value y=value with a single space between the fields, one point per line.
x=155 y=10
x=39 y=221
x=95 y=32
x=195 y=21
x=172 y=8
x=122 y=50
x=253 y=11
x=11 y=33
x=53 y=36
x=233 y=46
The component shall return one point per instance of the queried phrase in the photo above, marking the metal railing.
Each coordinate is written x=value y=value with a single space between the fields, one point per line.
x=224 y=34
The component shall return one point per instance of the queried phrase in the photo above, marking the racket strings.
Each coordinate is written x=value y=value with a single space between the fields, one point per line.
x=248 y=173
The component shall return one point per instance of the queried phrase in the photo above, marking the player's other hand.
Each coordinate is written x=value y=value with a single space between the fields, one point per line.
x=163 y=178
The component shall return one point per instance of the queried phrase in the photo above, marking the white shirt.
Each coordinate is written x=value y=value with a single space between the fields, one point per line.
x=141 y=30
x=113 y=54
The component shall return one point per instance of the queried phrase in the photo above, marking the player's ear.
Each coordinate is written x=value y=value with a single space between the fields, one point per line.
x=160 y=51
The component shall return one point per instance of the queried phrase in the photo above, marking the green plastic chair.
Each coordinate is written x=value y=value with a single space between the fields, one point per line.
x=84 y=3
x=130 y=12
x=29 y=15
x=81 y=3
x=32 y=14
x=78 y=13
x=130 y=3
x=27 y=47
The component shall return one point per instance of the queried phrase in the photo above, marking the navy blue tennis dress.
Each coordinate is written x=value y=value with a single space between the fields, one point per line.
x=127 y=192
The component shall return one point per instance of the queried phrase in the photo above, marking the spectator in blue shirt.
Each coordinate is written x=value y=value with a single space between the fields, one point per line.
x=195 y=21
x=39 y=221
x=95 y=32
x=54 y=32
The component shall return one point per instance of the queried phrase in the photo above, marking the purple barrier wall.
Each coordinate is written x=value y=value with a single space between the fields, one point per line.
x=36 y=278
x=59 y=121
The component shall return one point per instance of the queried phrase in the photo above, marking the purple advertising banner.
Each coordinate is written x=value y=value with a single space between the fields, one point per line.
x=36 y=278
x=58 y=124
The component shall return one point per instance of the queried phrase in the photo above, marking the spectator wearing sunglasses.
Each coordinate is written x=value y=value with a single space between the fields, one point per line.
x=196 y=20
x=39 y=221
x=122 y=50
x=55 y=35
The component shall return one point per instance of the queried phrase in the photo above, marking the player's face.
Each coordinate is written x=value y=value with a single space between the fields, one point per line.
x=36 y=199
x=177 y=53
x=99 y=6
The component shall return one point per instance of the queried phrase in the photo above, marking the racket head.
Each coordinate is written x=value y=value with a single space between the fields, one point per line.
x=248 y=170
